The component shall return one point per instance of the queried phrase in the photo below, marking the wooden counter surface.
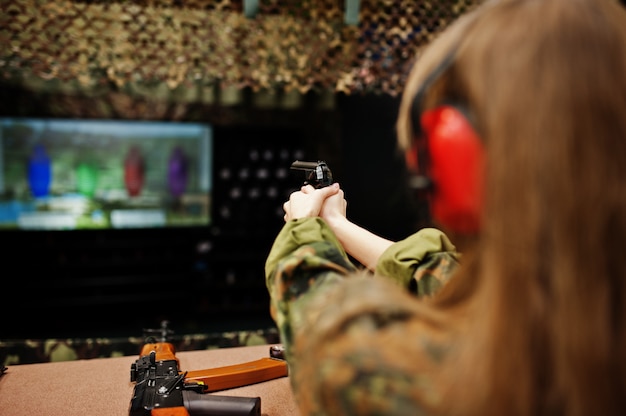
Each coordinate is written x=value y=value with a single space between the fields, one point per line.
x=103 y=387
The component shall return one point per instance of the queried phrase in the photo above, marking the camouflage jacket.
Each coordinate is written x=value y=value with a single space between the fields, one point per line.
x=350 y=336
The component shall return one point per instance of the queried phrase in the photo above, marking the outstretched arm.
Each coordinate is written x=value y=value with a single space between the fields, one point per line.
x=365 y=246
x=329 y=204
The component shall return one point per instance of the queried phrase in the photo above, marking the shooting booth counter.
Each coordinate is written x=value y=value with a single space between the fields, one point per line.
x=103 y=385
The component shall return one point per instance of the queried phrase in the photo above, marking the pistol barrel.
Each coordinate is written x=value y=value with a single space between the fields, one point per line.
x=301 y=165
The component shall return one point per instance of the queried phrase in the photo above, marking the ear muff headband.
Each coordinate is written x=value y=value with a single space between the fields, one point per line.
x=418 y=100
x=448 y=157
x=416 y=158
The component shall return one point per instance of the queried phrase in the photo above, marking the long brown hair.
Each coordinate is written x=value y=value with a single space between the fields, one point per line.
x=543 y=323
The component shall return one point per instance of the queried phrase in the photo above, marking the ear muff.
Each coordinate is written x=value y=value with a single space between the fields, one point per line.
x=447 y=158
x=455 y=167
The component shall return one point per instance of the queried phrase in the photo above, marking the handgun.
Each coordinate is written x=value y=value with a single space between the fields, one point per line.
x=161 y=389
x=317 y=174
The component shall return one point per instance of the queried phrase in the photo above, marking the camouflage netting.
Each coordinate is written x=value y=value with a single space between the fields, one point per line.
x=188 y=49
x=30 y=351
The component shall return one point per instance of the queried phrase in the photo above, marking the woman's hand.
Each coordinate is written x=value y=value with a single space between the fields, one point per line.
x=334 y=208
x=308 y=201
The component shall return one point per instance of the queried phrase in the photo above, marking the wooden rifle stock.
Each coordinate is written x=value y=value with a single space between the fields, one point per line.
x=161 y=389
x=226 y=377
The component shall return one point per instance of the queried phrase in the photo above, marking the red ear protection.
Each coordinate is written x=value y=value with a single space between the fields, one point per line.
x=455 y=166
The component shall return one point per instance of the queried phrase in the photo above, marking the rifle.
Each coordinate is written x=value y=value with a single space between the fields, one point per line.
x=161 y=389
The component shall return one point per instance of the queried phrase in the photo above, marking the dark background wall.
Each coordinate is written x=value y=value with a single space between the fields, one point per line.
x=372 y=166
x=116 y=282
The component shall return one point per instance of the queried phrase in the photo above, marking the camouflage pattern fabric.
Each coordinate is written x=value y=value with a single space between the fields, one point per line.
x=201 y=50
x=422 y=262
x=350 y=336
x=13 y=352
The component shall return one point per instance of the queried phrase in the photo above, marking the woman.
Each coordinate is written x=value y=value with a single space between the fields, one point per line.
x=533 y=319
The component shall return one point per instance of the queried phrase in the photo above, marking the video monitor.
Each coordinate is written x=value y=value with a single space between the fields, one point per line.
x=70 y=174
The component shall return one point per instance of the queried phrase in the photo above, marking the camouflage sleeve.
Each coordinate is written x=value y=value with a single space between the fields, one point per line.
x=423 y=261
x=305 y=258
x=295 y=234
x=344 y=329
x=361 y=345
